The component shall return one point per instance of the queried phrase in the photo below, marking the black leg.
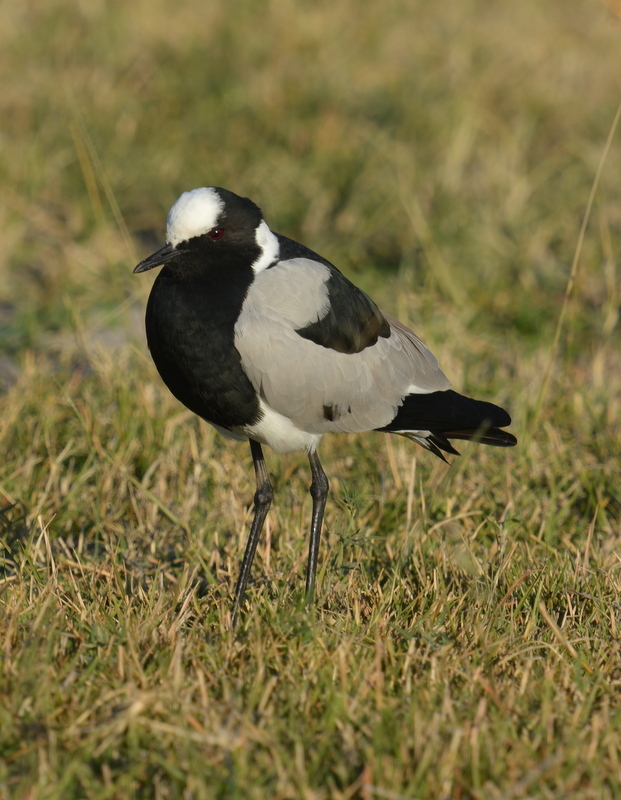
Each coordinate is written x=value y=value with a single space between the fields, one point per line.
x=262 y=499
x=319 y=492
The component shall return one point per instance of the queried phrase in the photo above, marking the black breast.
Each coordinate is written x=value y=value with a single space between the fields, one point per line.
x=190 y=328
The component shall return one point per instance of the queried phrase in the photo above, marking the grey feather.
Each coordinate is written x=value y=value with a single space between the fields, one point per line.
x=301 y=379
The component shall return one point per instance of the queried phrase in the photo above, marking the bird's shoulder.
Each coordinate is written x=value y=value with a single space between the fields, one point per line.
x=321 y=304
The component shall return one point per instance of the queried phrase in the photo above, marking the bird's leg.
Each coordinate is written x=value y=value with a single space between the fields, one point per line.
x=319 y=492
x=262 y=499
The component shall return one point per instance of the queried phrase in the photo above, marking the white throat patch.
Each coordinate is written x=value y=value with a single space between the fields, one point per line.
x=193 y=214
x=268 y=243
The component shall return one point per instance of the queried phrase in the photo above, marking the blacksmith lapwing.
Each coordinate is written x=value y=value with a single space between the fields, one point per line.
x=270 y=343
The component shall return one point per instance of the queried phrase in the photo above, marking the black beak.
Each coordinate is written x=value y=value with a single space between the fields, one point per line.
x=162 y=256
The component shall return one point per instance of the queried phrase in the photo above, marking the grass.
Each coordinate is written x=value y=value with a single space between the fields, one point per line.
x=466 y=638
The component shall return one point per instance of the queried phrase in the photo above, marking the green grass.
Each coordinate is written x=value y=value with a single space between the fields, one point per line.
x=466 y=640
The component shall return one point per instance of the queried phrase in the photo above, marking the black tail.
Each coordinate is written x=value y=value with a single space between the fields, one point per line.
x=433 y=419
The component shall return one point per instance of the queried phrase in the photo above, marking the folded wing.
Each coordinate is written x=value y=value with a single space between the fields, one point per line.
x=317 y=385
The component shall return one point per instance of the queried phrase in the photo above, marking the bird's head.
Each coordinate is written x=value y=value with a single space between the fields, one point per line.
x=211 y=226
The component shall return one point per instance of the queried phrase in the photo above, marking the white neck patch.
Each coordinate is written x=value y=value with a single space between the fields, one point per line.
x=270 y=248
x=193 y=214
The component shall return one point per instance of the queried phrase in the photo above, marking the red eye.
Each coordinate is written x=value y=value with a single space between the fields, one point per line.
x=215 y=234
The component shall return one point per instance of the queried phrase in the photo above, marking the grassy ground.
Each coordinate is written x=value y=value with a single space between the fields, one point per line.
x=466 y=638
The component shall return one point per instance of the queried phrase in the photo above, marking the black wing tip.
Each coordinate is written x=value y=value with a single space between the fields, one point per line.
x=493 y=436
x=485 y=434
x=445 y=415
x=438 y=443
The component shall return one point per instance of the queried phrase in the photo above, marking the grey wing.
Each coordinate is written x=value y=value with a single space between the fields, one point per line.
x=318 y=388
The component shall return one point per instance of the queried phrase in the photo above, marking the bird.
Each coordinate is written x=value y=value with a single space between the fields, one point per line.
x=270 y=343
